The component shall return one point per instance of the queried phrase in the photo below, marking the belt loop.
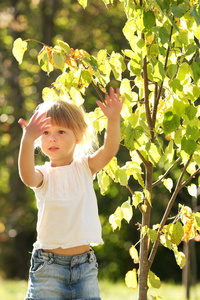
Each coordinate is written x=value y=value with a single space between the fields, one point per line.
x=51 y=258
x=91 y=257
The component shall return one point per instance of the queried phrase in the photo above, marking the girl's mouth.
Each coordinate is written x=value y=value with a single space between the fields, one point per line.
x=53 y=148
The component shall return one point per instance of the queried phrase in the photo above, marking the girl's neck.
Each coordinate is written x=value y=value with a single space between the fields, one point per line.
x=66 y=162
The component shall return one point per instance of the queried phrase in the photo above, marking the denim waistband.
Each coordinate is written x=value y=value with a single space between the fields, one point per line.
x=65 y=259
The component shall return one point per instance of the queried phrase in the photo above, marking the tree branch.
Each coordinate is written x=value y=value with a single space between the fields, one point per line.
x=166 y=173
x=157 y=99
x=166 y=214
x=190 y=178
x=146 y=99
x=145 y=162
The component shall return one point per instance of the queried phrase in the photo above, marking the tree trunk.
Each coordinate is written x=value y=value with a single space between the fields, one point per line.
x=144 y=246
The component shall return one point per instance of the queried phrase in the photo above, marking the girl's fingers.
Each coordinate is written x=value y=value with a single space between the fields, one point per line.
x=23 y=123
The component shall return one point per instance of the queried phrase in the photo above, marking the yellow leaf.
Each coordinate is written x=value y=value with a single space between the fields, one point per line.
x=70 y=61
x=19 y=48
x=189 y=230
x=49 y=94
x=131 y=279
x=134 y=254
x=150 y=38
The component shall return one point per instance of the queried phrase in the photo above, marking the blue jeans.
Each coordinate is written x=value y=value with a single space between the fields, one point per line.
x=63 y=277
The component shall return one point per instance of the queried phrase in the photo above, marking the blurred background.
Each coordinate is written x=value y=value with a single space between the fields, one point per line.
x=91 y=29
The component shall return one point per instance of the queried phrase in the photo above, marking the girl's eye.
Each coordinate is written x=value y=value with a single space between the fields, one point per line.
x=61 y=131
x=45 y=132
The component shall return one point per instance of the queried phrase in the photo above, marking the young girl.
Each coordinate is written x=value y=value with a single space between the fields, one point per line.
x=63 y=266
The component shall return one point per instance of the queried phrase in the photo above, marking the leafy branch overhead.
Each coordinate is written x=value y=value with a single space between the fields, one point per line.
x=159 y=77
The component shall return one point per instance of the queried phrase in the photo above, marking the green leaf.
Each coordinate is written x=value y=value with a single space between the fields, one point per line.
x=179 y=107
x=121 y=176
x=176 y=85
x=196 y=71
x=149 y=19
x=189 y=146
x=172 y=70
x=19 y=48
x=179 y=10
x=153 y=280
x=192 y=132
x=191 y=111
x=152 y=234
x=58 y=58
x=163 y=35
x=171 y=122
x=174 y=232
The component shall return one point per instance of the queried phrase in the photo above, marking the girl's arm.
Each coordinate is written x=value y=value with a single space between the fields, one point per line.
x=111 y=110
x=31 y=131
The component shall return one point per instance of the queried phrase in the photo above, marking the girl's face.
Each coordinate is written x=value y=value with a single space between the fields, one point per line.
x=58 y=143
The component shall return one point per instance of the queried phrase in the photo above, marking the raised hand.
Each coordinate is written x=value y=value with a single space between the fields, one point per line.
x=36 y=126
x=112 y=106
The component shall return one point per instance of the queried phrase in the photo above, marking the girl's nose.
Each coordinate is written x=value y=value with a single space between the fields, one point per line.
x=53 y=137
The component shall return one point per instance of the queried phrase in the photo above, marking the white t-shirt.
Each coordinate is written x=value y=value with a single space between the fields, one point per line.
x=67 y=207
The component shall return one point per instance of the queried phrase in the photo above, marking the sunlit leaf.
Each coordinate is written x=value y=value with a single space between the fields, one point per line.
x=103 y=181
x=127 y=210
x=152 y=234
x=45 y=59
x=174 y=232
x=192 y=190
x=180 y=257
x=19 y=48
x=64 y=46
x=134 y=254
x=116 y=218
x=49 y=94
x=83 y=3
x=138 y=197
x=121 y=176
x=153 y=153
x=131 y=279
x=168 y=183
x=58 y=58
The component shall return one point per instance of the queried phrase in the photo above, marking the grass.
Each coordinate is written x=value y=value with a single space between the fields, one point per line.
x=16 y=290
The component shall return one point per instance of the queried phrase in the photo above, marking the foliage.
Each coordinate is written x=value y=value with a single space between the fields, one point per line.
x=160 y=117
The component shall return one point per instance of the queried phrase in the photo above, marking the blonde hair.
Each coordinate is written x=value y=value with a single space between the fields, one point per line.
x=68 y=114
